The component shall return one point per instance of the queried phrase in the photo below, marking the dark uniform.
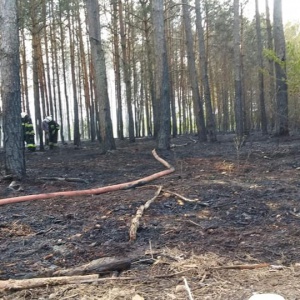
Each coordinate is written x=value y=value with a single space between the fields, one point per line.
x=51 y=128
x=28 y=132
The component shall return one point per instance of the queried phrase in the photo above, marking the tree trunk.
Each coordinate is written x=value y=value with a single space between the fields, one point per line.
x=85 y=78
x=99 y=67
x=35 y=28
x=127 y=74
x=162 y=72
x=117 y=71
x=263 y=116
x=62 y=41
x=10 y=90
x=193 y=76
x=271 y=70
x=282 y=127
x=210 y=120
x=76 y=139
x=151 y=129
x=237 y=73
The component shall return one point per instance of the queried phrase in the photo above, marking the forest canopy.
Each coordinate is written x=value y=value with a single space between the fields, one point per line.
x=59 y=76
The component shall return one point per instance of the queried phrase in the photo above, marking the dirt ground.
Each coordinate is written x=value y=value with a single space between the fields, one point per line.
x=239 y=236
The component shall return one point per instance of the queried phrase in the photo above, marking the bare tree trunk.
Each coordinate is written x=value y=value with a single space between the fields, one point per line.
x=151 y=129
x=117 y=71
x=210 y=120
x=10 y=90
x=45 y=36
x=57 y=76
x=76 y=139
x=85 y=79
x=162 y=69
x=127 y=74
x=35 y=7
x=193 y=76
x=271 y=69
x=24 y=73
x=62 y=39
x=98 y=62
x=263 y=115
x=237 y=72
x=171 y=62
x=282 y=126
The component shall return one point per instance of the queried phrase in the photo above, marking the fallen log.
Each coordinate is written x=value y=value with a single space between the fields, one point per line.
x=19 y=284
x=97 y=191
x=101 y=265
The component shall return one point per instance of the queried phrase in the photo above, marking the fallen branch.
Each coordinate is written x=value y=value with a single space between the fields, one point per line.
x=19 y=284
x=179 y=196
x=63 y=179
x=188 y=289
x=98 y=266
x=242 y=267
x=136 y=220
x=182 y=197
x=101 y=265
x=97 y=191
x=182 y=145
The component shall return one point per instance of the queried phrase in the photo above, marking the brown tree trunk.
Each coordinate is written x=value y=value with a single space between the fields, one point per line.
x=282 y=126
x=210 y=120
x=99 y=67
x=193 y=76
x=271 y=70
x=237 y=73
x=117 y=71
x=162 y=72
x=263 y=116
x=63 y=59
x=36 y=40
x=127 y=74
x=76 y=137
x=10 y=90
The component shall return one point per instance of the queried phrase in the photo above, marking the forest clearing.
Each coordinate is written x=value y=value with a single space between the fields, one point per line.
x=224 y=224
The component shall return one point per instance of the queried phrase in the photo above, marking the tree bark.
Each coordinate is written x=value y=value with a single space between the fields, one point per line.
x=162 y=72
x=282 y=126
x=263 y=115
x=10 y=90
x=99 y=67
x=127 y=74
x=237 y=73
x=193 y=76
x=210 y=119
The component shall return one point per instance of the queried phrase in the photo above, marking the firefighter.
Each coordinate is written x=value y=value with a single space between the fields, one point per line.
x=51 y=128
x=28 y=132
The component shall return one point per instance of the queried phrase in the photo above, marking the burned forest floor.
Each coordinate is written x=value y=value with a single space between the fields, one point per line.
x=225 y=224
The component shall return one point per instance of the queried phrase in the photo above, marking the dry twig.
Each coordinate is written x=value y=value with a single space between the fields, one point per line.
x=136 y=220
x=242 y=267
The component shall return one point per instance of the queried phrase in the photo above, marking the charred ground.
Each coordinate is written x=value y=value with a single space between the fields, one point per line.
x=247 y=213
